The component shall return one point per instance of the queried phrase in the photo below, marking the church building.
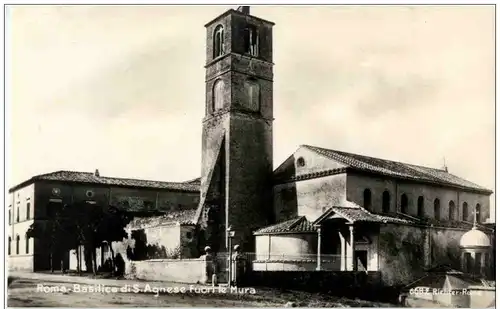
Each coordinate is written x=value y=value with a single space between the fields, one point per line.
x=321 y=210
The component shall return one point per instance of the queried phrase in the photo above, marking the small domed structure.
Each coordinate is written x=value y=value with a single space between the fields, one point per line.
x=475 y=246
x=475 y=239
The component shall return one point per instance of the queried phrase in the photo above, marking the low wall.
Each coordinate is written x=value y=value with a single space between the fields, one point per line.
x=481 y=297
x=21 y=262
x=305 y=265
x=183 y=271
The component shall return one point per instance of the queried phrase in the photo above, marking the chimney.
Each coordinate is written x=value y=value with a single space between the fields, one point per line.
x=96 y=173
x=244 y=10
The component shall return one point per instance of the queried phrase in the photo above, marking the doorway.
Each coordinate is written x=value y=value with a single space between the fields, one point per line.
x=361 y=258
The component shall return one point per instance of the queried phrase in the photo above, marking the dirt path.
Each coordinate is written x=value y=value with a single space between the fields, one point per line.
x=36 y=293
x=57 y=290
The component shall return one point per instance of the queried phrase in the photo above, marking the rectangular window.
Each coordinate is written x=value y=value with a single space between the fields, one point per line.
x=27 y=245
x=10 y=217
x=17 y=215
x=28 y=211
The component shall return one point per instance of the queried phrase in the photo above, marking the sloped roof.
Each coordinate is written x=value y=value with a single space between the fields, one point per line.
x=91 y=178
x=182 y=217
x=397 y=169
x=292 y=226
x=352 y=212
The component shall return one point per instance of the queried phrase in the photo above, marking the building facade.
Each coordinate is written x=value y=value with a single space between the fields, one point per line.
x=39 y=198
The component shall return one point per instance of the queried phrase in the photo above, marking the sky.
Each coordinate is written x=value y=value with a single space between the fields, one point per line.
x=121 y=88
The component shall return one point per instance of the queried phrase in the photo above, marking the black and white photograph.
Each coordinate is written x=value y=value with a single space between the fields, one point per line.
x=250 y=155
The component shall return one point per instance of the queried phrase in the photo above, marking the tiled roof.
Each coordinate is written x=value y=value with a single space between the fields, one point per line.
x=295 y=225
x=182 y=217
x=355 y=213
x=91 y=178
x=397 y=169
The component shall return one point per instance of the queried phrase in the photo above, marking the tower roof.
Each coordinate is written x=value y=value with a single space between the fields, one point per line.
x=475 y=239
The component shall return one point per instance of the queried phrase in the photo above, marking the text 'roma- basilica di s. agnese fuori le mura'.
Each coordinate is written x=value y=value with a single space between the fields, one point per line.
x=365 y=213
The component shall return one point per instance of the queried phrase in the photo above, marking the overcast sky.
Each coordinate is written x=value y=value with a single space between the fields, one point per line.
x=121 y=89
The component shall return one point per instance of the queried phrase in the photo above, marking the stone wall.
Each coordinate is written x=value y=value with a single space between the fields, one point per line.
x=184 y=271
x=405 y=252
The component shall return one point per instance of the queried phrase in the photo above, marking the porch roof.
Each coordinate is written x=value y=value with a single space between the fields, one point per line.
x=292 y=226
x=352 y=212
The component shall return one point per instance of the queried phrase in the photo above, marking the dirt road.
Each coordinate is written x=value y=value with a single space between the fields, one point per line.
x=36 y=293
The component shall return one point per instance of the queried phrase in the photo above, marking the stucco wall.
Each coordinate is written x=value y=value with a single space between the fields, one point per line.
x=481 y=297
x=17 y=209
x=356 y=184
x=310 y=197
x=291 y=265
x=129 y=198
x=185 y=271
x=286 y=247
x=20 y=262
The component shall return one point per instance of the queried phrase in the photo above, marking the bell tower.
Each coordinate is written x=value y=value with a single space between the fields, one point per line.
x=237 y=140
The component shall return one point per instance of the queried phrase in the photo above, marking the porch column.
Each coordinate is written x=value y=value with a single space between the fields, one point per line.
x=482 y=265
x=318 y=266
x=343 y=251
x=351 y=263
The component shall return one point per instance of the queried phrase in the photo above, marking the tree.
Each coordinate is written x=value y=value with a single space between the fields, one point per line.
x=83 y=224
x=57 y=233
x=112 y=228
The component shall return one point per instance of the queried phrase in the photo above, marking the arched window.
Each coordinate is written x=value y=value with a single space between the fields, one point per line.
x=18 y=239
x=386 y=201
x=420 y=206
x=10 y=245
x=27 y=244
x=437 y=209
x=451 y=210
x=367 y=198
x=28 y=211
x=404 y=203
x=218 y=41
x=251 y=40
x=465 y=211
x=218 y=95
x=477 y=213
x=252 y=89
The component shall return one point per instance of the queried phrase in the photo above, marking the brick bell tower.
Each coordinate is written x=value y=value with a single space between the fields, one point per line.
x=237 y=141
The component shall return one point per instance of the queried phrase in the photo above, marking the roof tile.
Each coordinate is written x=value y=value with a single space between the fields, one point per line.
x=295 y=225
x=397 y=169
x=91 y=178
